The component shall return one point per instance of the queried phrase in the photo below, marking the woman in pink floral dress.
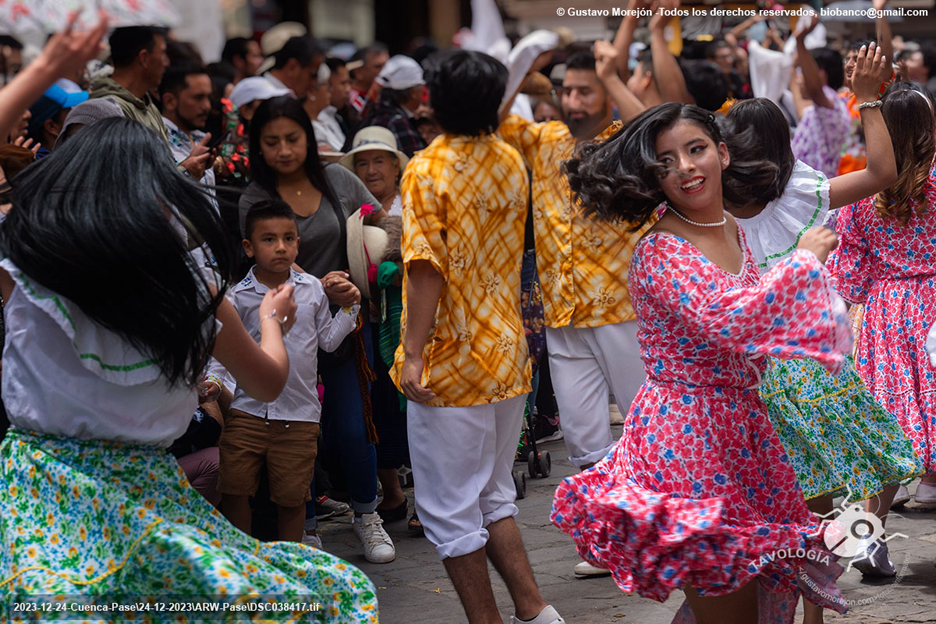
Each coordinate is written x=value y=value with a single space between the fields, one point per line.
x=887 y=261
x=698 y=494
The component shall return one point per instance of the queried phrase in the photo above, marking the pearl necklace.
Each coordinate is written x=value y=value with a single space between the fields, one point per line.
x=696 y=223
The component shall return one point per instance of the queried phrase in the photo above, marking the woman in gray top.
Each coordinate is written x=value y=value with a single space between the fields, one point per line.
x=285 y=165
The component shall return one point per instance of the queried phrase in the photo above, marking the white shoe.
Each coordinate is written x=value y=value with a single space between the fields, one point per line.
x=925 y=494
x=378 y=547
x=312 y=540
x=584 y=569
x=901 y=497
x=546 y=616
x=872 y=558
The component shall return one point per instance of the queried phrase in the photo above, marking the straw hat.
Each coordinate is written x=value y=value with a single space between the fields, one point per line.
x=367 y=244
x=373 y=138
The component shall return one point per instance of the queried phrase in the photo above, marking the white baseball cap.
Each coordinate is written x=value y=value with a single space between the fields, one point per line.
x=255 y=88
x=400 y=72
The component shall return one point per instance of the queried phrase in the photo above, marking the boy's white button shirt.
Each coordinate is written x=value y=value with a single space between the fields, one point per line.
x=314 y=328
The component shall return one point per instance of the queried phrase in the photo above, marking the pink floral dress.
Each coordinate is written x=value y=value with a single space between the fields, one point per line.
x=891 y=268
x=698 y=491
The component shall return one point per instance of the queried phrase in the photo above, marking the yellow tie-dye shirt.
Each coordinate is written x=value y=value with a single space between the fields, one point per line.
x=582 y=262
x=464 y=210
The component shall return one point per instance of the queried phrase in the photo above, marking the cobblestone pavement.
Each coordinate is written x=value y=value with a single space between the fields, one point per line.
x=414 y=588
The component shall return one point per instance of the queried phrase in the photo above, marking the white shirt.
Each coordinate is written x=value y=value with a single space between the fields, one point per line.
x=328 y=131
x=66 y=375
x=314 y=328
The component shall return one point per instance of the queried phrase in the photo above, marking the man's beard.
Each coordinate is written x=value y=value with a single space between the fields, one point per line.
x=587 y=127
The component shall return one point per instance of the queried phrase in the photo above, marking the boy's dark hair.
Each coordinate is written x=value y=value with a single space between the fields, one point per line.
x=176 y=78
x=711 y=49
x=303 y=49
x=126 y=43
x=267 y=209
x=180 y=52
x=832 y=64
x=581 y=60
x=466 y=89
x=706 y=83
x=235 y=47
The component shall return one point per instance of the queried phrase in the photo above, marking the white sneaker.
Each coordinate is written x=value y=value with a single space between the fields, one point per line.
x=312 y=540
x=901 y=497
x=378 y=547
x=872 y=558
x=547 y=616
x=925 y=494
x=584 y=569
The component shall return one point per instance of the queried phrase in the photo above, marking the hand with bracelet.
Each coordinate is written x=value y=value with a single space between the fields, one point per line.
x=872 y=70
x=280 y=306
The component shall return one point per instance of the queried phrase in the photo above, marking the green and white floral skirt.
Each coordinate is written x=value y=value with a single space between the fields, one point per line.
x=837 y=436
x=92 y=522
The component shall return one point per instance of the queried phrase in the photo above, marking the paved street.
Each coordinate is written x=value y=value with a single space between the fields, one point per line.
x=414 y=587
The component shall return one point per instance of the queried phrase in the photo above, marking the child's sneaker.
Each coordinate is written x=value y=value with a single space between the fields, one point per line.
x=312 y=540
x=378 y=547
x=327 y=508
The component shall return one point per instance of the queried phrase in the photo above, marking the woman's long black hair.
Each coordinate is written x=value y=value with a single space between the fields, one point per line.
x=261 y=172
x=92 y=223
x=619 y=178
x=761 y=132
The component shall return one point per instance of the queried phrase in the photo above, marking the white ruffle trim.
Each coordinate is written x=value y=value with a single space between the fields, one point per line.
x=774 y=233
x=99 y=350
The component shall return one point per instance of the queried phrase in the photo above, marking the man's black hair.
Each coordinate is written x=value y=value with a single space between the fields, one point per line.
x=267 y=209
x=706 y=83
x=832 y=64
x=175 y=79
x=581 y=60
x=303 y=49
x=466 y=89
x=126 y=43
x=235 y=47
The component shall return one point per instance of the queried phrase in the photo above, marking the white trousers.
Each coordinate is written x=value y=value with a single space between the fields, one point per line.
x=462 y=470
x=586 y=365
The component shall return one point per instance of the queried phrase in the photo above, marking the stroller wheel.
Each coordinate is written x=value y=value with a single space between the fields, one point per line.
x=544 y=464
x=531 y=464
x=520 y=484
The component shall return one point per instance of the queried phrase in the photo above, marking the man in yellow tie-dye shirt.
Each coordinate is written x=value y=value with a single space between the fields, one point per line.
x=591 y=333
x=463 y=362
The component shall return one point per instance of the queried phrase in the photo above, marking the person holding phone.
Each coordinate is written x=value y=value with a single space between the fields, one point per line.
x=185 y=94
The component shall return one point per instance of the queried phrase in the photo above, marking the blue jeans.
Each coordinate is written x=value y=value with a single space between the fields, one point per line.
x=345 y=435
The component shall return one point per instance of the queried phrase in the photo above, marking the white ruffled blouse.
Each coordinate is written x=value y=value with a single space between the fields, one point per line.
x=65 y=375
x=773 y=234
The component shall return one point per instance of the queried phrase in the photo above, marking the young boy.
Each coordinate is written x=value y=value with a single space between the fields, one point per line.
x=281 y=434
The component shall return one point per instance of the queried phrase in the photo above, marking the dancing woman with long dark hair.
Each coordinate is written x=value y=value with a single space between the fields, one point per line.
x=697 y=494
x=109 y=323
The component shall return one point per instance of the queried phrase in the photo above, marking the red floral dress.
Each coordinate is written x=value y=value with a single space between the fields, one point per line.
x=891 y=268
x=698 y=491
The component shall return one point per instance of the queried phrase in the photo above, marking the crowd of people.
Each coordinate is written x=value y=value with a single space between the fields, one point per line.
x=238 y=293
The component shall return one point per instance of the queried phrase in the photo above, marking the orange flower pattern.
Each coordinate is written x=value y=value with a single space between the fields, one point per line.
x=582 y=262
x=464 y=211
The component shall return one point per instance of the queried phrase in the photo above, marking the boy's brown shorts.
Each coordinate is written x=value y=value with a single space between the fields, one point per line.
x=287 y=448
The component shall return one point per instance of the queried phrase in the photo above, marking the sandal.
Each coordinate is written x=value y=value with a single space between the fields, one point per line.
x=392 y=515
x=414 y=525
